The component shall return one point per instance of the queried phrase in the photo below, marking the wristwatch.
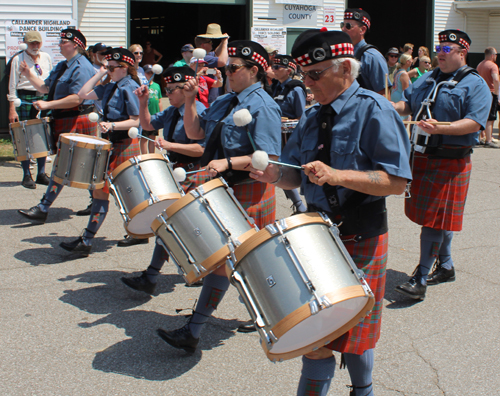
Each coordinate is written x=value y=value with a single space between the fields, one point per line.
x=113 y=125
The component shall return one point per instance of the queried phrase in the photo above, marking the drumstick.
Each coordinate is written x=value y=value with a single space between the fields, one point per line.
x=134 y=133
x=432 y=123
x=386 y=86
x=243 y=118
x=18 y=102
x=156 y=69
x=260 y=160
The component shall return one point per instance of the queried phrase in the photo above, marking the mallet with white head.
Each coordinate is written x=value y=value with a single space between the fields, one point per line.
x=260 y=161
x=180 y=173
x=134 y=133
x=242 y=118
x=93 y=117
x=18 y=102
x=156 y=69
x=198 y=53
x=23 y=46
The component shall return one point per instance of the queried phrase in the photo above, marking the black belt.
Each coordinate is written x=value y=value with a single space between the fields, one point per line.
x=449 y=153
x=115 y=136
x=363 y=222
x=29 y=92
x=82 y=110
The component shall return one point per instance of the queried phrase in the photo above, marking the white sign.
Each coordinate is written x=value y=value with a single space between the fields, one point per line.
x=303 y=2
x=300 y=15
x=273 y=36
x=50 y=31
x=329 y=16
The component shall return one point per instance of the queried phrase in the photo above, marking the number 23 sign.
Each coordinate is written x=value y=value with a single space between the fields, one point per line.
x=329 y=16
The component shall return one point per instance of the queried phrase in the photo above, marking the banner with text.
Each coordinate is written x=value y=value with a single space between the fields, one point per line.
x=275 y=37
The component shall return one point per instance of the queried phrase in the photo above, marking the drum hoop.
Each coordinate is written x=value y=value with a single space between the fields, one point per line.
x=329 y=338
x=188 y=198
x=138 y=236
x=84 y=186
x=128 y=163
x=37 y=155
x=145 y=204
x=34 y=121
x=264 y=235
x=64 y=138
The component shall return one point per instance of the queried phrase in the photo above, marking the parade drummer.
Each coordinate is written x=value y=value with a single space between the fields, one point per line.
x=441 y=173
x=69 y=111
x=228 y=153
x=354 y=151
x=40 y=64
x=120 y=113
x=290 y=95
x=184 y=152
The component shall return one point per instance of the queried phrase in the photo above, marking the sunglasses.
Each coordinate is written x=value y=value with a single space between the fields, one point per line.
x=63 y=41
x=347 y=25
x=233 y=68
x=112 y=68
x=277 y=67
x=138 y=53
x=170 y=91
x=393 y=56
x=445 y=48
x=38 y=69
x=316 y=75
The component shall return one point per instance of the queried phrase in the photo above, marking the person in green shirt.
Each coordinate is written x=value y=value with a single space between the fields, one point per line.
x=187 y=54
x=154 y=105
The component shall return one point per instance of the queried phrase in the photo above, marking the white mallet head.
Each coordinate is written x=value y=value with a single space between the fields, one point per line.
x=17 y=102
x=93 y=117
x=157 y=69
x=260 y=160
x=199 y=53
x=179 y=174
x=23 y=46
x=242 y=117
x=133 y=133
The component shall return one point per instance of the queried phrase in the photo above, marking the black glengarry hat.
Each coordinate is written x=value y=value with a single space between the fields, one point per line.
x=75 y=36
x=120 y=55
x=317 y=45
x=285 y=60
x=178 y=74
x=249 y=50
x=359 y=15
x=455 y=36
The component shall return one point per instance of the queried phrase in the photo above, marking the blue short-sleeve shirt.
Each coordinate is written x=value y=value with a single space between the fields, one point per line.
x=265 y=127
x=123 y=103
x=373 y=68
x=293 y=105
x=164 y=119
x=367 y=134
x=470 y=98
x=79 y=71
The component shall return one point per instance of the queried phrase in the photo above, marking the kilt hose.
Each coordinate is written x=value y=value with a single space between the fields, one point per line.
x=370 y=255
x=438 y=192
x=122 y=151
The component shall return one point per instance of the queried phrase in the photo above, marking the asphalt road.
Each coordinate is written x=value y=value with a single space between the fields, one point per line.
x=70 y=327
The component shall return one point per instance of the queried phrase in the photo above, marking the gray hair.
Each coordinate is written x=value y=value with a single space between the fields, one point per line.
x=355 y=66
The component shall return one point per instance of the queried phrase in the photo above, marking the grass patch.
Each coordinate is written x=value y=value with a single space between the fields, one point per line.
x=6 y=150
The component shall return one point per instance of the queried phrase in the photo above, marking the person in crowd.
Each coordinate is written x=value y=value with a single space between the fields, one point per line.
x=154 y=106
x=205 y=82
x=424 y=64
x=151 y=56
x=392 y=57
x=401 y=79
x=138 y=52
x=187 y=54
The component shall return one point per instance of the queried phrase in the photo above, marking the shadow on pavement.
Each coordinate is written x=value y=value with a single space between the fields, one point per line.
x=14 y=218
x=395 y=299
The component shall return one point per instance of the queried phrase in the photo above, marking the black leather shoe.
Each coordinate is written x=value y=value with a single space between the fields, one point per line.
x=412 y=289
x=28 y=182
x=248 y=327
x=77 y=246
x=180 y=338
x=42 y=178
x=34 y=213
x=441 y=275
x=129 y=241
x=86 y=211
x=140 y=283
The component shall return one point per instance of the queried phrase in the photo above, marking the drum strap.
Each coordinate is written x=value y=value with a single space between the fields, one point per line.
x=52 y=90
x=176 y=157
x=105 y=109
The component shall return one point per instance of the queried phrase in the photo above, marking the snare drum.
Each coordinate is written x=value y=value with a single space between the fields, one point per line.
x=287 y=128
x=31 y=139
x=143 y=187
x=197 y=229
x=299 y=285
x=81 y=161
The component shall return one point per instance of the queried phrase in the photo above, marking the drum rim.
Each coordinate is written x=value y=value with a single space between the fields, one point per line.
x=128 y=163
x=329 y=338
x=40 y=154
x=81 y=185
x=34 y=121
x=64 y=138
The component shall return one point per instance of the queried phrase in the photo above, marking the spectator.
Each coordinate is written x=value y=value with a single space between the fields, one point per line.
x=154 y=106
x=151 y=56
x=205 y=83
x=187 y=54
x=401 y=79
x=424 y=64
x=138 y=52
x=392 y=57
x=422 y=51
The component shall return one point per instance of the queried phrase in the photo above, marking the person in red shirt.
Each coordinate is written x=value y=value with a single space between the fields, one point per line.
x=205 y=82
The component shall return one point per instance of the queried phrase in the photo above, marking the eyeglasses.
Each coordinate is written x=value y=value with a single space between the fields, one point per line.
x=277 y=67
x=445 y=48
x=393 y=56
x=63 y=41
x=347 y=25
x=112 y=68
x=38 y=69
x=138 y=53
x=427 y=63
x=233 y=68
x=170 y=91
x=316 y=75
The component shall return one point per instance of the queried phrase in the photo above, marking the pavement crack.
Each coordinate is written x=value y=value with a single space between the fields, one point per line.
x=435 y=370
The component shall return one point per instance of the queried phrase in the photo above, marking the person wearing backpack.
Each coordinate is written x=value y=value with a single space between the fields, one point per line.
x=20 y=87
x=442 y=165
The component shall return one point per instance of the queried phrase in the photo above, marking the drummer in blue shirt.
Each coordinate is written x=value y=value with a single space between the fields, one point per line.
x=68 y=110
x=184 y=152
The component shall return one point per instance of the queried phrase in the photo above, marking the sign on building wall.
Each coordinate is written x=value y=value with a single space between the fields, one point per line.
x=329 y=16
x=273 y=36
x=303 y=2
x=48 y=29
x=299 y=15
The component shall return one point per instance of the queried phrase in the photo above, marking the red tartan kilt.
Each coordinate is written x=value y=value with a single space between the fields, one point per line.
x=192 y=181
x=438 y=192
x=122 y=151
x=80 y=124
x=370 y=256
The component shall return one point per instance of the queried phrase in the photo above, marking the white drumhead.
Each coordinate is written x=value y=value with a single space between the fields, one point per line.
x=86 y=139
x=141 y=222
x=318 y=326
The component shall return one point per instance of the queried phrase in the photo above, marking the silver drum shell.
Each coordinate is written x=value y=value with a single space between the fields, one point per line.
x=32 y=139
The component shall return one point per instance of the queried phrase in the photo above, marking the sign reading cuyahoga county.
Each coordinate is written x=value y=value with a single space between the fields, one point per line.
x=303 y=2
x=300 y=15
x=49 y=30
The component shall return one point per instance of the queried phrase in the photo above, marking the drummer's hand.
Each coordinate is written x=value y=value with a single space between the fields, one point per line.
x=142 y=93
x=105 y=126
x=319 y=173
x=162 y=143
x=190 y=89
x=24 y=69
x=13 y=116
x=269 y=175
x=41 y=105
x=429 y=128
x=217 y=166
